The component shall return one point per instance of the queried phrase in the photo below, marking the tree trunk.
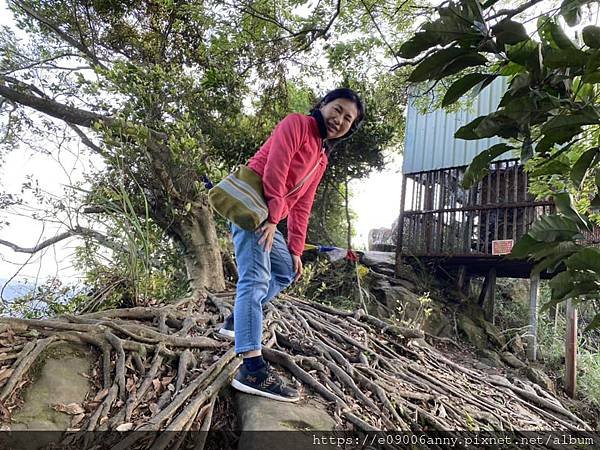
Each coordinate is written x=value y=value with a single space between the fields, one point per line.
x=202 y=256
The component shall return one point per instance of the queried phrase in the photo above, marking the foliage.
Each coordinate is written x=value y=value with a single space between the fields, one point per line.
x=167 y=92
x=550 y=112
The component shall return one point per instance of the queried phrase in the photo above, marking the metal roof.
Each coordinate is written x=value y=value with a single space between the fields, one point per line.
x=430 y=142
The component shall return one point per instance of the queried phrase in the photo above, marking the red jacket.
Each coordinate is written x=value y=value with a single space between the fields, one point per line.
x=292 y=150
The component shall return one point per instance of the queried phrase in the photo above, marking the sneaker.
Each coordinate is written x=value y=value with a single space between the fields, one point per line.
x=264 y=382
x=227 y=327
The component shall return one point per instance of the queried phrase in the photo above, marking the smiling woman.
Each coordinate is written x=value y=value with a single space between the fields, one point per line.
x=291 y=164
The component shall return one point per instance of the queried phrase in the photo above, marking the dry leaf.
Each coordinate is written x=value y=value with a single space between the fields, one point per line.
x=166 y=380
x=125 y=427
x=153 y=407
x=103 y=419
x=100 y=395
x=76 y=420
x=90 y=406
x=157 y=385
x=71 y=408
x=119 y=403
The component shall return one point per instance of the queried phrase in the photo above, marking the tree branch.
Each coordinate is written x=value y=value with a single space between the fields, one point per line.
x=55 y=28
x=77 y=231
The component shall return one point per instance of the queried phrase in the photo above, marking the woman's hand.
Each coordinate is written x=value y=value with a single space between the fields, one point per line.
x=297 y=266
x=268 y=233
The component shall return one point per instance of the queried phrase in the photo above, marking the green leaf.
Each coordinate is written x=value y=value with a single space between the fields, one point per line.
x=561 y=285
x=591 y=36
x=552 y=167
x=586 y=260
x=462 y=86
x=553 y=228
x=527 y=54
x=509 y=32
x=525 y=247
x=553 y=35
x=564 y=205
x=467 y=132
x=591 y=78
x=582 y=165
x=479 y=167
x=497 y=124
x=432 y=66
x=559 y=58
x=460 y=63
x=586 y=116
x=421 y=41
x=595 y=203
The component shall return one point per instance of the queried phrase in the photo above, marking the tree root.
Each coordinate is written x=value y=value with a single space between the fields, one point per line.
x=162 y=369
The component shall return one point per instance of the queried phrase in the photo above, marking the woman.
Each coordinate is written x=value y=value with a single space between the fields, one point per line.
x=294 y=154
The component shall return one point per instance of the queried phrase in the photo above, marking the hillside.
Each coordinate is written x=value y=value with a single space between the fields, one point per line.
x=160 y=368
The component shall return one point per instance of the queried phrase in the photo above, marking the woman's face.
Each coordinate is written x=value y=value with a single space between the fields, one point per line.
x=339 y=115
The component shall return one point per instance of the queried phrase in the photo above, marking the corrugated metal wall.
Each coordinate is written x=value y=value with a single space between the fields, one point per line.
x=430 y=142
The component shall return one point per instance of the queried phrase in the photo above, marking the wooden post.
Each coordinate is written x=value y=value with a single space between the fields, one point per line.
x=399 y=230
x=534 y=290
x=490 y=303
x=571 y=351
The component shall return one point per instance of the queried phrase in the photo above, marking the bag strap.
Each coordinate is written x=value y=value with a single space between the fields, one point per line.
x=303 y=180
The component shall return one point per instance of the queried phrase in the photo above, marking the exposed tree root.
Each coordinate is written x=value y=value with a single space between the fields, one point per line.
x=163 y=368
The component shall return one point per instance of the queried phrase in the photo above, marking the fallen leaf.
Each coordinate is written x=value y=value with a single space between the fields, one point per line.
x=71 y=408
x=100 y=395
x=103 y=419
x=166 y=380
x=125 y=427
x=157 y=385
x=119 y=403
x=153 y=407
x=76 y=420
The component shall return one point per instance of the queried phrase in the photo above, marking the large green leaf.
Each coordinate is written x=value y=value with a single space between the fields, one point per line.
x=582 y=165
x=417 y=44
x=553 y=35
x=586 y=260
x=564 y=205
x=479 y=167
x=467 y=132
x=552 y=167
x=525 y=247
x=445 y=62
x=561 y=285
x=591 y=36
x=460 y=63
x=527 y=54
x=553 y=228
x=563 y=58
x=462 y=86
x=509 y=32
x=497 y=124
x=586 y=116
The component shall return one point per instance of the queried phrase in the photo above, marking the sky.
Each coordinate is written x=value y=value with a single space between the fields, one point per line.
x=375 y=200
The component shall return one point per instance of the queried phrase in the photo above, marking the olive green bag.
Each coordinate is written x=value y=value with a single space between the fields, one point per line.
x=239 y=197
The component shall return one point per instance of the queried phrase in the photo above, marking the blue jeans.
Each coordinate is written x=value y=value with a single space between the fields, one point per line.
x=261 y=276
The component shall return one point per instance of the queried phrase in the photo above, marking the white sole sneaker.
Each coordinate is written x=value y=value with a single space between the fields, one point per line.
x=227 y=333
x=249 y=390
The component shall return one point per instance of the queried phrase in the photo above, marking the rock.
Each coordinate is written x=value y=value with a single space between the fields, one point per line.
x=383 y=262
x=494 y=334
x=516 y=346
x=540 y=378
x=512 y=360
x=61 y=381
x=438 y=323
x=262 y=414
x=491 y=358
x=474 y=334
